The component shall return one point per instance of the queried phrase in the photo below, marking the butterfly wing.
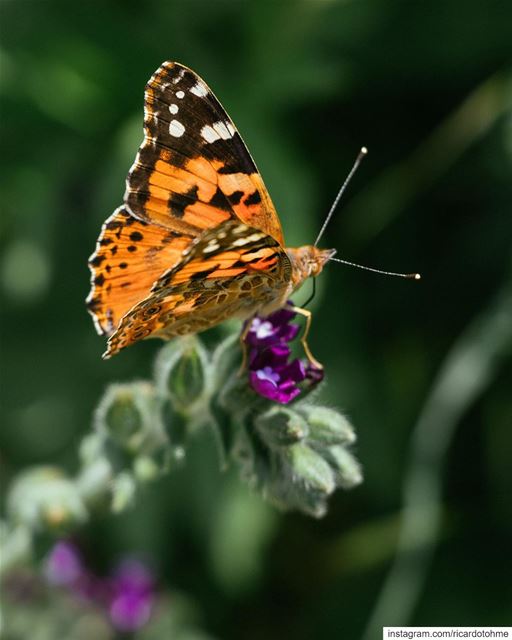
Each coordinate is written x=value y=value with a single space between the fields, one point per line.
x=130 y=255
x=193 y=170
x=192 y=175
x=230 y=271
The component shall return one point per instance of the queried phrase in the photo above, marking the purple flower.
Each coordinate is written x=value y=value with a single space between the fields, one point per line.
x=128 y=595
x=271 y=373
x=273 y=329
x=132 y=596
x=64 y=566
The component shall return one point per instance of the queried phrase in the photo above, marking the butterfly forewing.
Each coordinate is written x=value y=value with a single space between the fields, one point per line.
x=193 y=171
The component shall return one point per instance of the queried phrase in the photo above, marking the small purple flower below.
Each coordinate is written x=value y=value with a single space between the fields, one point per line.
x=63 y=566
x=127 y=596
x=132 y=596
x=271 y=373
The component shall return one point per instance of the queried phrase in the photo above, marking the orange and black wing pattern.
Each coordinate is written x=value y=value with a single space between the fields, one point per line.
x=227 y=272
x=193 y=170
x=130 y=256
x=193 y=181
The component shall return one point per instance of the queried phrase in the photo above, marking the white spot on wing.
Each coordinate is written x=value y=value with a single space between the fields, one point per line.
x=209 y=134
x=222 y=129
x=173 y=108
x=199 y=89
x=217 y=131
x=252 y=238
x=176 y=129
x=180 y=94
x=179 y=76
x=211 y=246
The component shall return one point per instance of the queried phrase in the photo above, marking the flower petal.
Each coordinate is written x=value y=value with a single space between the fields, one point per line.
x=271 y=373
x=275 y=356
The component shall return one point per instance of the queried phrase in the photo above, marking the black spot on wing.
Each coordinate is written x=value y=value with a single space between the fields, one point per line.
x=112 y=225
x=235 y=197
x=171 y=235
x=200 y=275
x=93 y=304
x=254 y=198
x=178 y=201
x=97 y=260
x=219 y=201
x=233 y=153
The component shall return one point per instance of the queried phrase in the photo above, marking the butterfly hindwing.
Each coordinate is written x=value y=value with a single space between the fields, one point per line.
x=193 y=170
x=130 y=255
x=227 y=272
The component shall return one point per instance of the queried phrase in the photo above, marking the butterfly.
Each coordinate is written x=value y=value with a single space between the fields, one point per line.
x=197 y=240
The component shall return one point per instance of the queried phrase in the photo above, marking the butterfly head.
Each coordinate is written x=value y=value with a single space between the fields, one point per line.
x=307 y=261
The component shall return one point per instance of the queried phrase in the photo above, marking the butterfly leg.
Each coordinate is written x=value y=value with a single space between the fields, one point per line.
x=243 y=347
x=307 y=315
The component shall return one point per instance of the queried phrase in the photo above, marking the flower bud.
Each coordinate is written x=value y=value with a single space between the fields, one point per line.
x=310 y=469
x=175 y=424
x=280 y=427
x=127 y=415
x=182 y=371
x=44 y=498
x=238 y=398
x=145 y=469
x=327 y=426
x=301 y=479
x=91 y=448
x=123 y=492
x=346 y=468
x=93 y=480
x=226 y=360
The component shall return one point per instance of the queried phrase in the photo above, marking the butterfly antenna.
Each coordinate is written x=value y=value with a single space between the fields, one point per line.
x=359 y=158
x=408 y=276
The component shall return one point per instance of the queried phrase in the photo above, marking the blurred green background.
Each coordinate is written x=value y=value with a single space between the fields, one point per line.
x=422 y=369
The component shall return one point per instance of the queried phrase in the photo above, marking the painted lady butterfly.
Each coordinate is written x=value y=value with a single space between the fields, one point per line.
x=197 y=239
